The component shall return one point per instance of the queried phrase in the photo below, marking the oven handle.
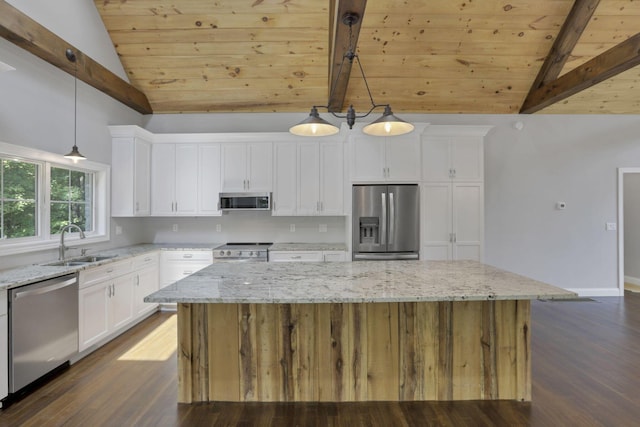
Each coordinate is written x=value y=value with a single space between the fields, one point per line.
x=57 y=284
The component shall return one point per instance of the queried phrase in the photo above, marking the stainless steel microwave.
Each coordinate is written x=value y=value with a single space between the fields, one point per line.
x=245 y=202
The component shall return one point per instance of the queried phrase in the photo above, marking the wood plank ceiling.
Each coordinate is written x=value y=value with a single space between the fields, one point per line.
x=420 y=56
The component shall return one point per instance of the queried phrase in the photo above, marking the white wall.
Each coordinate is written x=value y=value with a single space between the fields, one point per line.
x=631 y=199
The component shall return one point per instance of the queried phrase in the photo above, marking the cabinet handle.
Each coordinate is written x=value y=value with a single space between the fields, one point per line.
x=176 y=206
x=296 y=257
x=187 y=256
x=186 y=273
x=248 y=184
x=455 y=238
x=137 y=206
x=109 y=271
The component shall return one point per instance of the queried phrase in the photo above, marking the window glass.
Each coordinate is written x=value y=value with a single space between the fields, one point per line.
x=71 y=199
x=18 y=200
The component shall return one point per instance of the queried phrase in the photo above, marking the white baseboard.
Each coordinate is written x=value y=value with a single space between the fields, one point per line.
x=597 y=292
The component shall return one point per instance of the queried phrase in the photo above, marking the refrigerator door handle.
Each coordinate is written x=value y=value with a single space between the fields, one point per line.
x=383 y=236
x=392 y=214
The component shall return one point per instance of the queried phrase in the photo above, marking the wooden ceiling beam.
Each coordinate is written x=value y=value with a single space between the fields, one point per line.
x=339 y=78
x=26 y=33
x=567 y=38
x=610 y=63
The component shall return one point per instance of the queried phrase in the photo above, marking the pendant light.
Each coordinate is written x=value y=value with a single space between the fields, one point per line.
x=387 y=125
x=74 y=154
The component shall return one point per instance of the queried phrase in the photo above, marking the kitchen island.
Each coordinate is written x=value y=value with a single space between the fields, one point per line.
x=361 y=331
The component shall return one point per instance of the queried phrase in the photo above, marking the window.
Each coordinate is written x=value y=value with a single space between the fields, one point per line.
x=18 y=201
x=71 y=199
x=41 y=192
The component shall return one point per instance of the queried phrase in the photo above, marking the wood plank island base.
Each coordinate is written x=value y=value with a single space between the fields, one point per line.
x=362 y=331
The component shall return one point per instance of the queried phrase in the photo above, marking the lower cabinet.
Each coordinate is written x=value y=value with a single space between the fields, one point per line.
x=307 y=256
x=111 y=297
x=178 y=264
x=4 y=346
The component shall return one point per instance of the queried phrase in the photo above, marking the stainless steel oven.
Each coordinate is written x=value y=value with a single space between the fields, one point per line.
x=242 y=252
x=43 y=328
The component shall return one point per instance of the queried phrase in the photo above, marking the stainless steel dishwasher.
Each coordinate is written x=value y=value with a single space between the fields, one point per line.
x=43 y=328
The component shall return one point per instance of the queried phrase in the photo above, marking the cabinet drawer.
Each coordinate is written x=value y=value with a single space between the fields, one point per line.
x=146 y=260
x=296 y=256
x=202 y=256
x=91 y=276
x=334 y=256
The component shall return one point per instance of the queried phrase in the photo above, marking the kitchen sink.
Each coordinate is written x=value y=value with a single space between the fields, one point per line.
x=80 y=260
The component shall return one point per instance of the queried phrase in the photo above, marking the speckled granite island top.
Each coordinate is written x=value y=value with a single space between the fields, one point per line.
x=354 y=282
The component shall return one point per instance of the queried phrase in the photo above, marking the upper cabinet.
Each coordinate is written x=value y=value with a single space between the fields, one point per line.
x=174 y=178
x=308 y=178
x=246 y=166
x=382 y=159
x=453 y=153
x=131 y=174
x=208 y=179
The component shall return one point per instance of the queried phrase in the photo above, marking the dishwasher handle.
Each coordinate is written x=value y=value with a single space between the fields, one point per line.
x=45 y=287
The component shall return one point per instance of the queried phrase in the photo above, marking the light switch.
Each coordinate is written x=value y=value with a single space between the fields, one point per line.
x=612 y=226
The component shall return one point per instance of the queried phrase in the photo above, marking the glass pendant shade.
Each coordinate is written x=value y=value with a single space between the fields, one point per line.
x=314 y=125
x=388 y=125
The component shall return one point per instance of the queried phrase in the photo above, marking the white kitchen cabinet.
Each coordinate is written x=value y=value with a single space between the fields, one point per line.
x=178 y=264
x=284 y=178
x=104 y=307
x=130 y=177
x=386 y=159
x=174 y=179
x=320 y=178
x=146 y=280
x=452 y=158
x=307 y=256
x=208 y=180
x=4 y=345
x=452 y=221
x=246 y=166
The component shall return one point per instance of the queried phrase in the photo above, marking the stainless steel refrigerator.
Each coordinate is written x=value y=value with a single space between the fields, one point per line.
x=386 y=222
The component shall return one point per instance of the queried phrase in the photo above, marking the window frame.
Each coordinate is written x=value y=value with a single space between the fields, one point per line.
x=44 y=238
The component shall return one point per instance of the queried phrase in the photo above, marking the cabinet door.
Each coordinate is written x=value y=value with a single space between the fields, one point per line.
x=308 y=178
x=368 y=158
x=467 y=159
x=186 y=195
x=142 y=178
x=402 y=158
x=331 y=178
x=284 y=178
x=146 y=282
x=234 y=167
x=121 y=302
x=436 y=221
x=209 y=179
x=259 y=166
x=468 y=221
x=436 y=159
x=163 y=179
x=94 y=314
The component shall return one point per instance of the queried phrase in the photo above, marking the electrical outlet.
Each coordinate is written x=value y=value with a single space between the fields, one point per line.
x=322 y=228
x=292 y=228
x=118 y=230
x=175 y=227
x=611 y=226
x=218 y=228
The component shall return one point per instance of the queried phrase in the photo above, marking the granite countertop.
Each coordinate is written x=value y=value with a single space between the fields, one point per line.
x=292 y=247
x=24 y=275
x=354 y=282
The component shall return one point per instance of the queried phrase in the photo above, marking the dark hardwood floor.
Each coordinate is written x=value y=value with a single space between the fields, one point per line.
x=586 y=372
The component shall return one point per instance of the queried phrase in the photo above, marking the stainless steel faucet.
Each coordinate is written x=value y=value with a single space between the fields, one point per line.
x=63 y=230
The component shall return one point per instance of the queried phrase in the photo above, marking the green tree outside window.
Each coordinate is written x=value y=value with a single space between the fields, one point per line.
x=71 y=199
x=18 y=200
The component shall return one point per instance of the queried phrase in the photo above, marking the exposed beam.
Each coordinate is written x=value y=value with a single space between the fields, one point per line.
x=567 y=38
x=614 y=61
x=340 y=81
x=26 y=33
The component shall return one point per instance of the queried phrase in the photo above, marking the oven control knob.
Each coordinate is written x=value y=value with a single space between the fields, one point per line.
x=228 y=253
x=239 y=253
x=251 y=253
x=221 y=253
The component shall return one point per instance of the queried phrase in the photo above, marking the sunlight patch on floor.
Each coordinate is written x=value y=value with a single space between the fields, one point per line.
x=158 y=346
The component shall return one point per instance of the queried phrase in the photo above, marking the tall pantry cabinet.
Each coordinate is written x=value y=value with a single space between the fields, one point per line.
x=452 y=193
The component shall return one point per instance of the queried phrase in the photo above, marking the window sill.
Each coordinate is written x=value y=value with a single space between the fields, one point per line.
x=21 y=248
